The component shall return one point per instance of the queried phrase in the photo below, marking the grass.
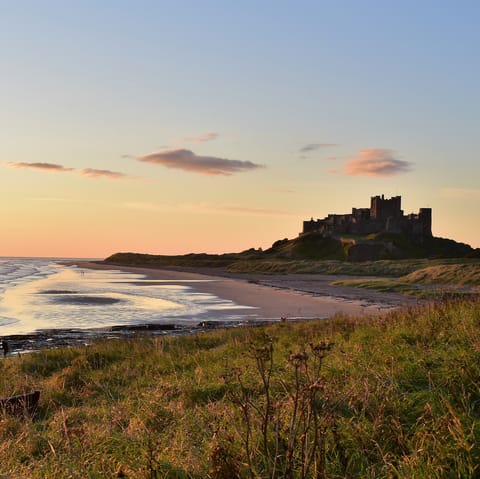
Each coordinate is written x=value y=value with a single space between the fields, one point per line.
x=388 y=397
x=315 y=253
x=444 y=270
x=331 y=267
x=384 y=285
x=465 y=273
x=453 y=271
x=432 y=281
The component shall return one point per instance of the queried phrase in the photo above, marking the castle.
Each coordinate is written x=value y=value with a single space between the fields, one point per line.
x=384 y=215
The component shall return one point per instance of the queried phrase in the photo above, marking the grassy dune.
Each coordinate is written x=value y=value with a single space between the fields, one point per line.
x=433 y=280
x=446 y=270
x=394 y=396
x=394 y=268
x=314 y=253
x=254 y=263
x=460 y=274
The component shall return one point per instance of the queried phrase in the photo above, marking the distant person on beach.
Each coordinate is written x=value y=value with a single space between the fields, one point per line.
x=5 y=348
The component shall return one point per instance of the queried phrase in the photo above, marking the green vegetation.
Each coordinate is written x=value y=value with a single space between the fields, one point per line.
x=424 y=271
x=465 y=273
x=379 y=254
x=391 y=268
x=388 y=397
x=245 y=264
x=384 y=285
x=430 y=282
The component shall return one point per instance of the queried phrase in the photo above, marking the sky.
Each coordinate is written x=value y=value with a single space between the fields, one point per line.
x=170 y=127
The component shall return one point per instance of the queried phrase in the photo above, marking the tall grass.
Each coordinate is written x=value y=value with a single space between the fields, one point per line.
x=393 y=396
x=255 y=261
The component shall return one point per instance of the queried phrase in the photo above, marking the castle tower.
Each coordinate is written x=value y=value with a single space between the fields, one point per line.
x=380 y=208
x=425 y=217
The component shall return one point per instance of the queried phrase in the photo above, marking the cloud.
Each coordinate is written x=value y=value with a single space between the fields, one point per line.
x=202 y=138
x=315 y=146
x=51 y=167
x=282 y=191
x=375 y=162
x=245 y=211
x=187 y=160
x=207 y=208
x=49 y=199
x=111 y=175
x=144 y=206
x=54 y=168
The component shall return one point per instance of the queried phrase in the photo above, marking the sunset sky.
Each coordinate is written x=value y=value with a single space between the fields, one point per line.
x=215 y=126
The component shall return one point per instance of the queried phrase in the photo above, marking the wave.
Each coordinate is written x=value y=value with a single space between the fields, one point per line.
x=42 y=294
x=14 y=271
x=4 y=321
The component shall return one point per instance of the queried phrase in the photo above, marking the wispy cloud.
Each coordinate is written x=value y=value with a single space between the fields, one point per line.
x=54 y=168
x=375 y=162
x=315 y=146
x=242 y=210
x=207 y=208
x=52 y=199
x=144 y=206
x=282 y=191
x=187 y=160
x=201 y=138
x=111 y=175
x=50 y=167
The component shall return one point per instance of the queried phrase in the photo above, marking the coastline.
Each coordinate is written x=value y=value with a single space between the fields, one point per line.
x=289 y=296
x=267 y=298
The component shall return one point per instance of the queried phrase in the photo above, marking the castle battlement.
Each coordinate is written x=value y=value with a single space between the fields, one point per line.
x=384 y=215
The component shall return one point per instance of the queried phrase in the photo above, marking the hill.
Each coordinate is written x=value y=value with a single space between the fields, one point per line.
x=309 y=247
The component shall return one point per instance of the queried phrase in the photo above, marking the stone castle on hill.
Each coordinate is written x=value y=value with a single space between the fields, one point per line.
x=383 y=216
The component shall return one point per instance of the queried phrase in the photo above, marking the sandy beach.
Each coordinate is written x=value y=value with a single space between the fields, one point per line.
x=257 y=299
x=276 y=296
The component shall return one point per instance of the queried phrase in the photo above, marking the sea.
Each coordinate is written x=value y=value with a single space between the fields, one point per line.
x=46 y=294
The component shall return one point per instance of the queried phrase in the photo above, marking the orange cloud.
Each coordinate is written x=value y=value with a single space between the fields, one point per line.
x=54 y=168
x=51 y=167
x=187 y=160
x=375 y=162
x=111 y=175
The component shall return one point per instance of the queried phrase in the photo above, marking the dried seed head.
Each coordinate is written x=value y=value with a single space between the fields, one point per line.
x=298 y=358
x=320 y=349
x=262 y=352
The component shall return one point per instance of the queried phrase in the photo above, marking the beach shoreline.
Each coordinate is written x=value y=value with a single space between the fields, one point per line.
x=266 y=298
x=313 y=285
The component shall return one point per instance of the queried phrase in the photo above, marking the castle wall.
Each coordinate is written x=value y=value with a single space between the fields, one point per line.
x=384 y=215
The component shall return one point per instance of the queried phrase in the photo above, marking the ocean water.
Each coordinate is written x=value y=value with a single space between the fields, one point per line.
x=38 y=294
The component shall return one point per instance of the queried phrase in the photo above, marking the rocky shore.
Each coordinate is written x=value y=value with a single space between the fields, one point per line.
x=55 y=338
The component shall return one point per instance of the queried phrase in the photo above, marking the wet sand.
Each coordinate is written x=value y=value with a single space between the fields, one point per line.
x=276 y=296
x=267 y=298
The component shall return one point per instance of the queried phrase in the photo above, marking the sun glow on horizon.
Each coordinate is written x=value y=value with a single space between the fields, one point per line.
x=125 y=136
